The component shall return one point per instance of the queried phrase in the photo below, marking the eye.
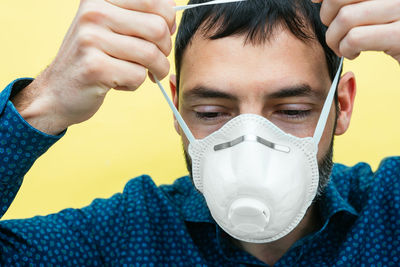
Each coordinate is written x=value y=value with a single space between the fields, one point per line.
x=294 y=114
x=209 y=115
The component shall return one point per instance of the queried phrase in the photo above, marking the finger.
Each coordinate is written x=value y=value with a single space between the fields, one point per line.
x=124 y=88
x=151 y=76
x=134 y=50
x=111 y=72
x=384 y=37
x=163 y=8
x=124 y=74
x=126 y=22
x=150 y=27
x=361 y=14
x=330 y=8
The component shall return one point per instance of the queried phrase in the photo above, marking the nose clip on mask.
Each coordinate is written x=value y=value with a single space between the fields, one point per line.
x=257 y=180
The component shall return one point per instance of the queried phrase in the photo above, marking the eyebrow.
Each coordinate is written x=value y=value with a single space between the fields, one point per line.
x=207 y=92
x=293 y=91
x=301 y=90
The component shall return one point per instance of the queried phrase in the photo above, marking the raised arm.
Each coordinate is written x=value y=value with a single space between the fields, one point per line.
x=110 y=44
x=20 y=145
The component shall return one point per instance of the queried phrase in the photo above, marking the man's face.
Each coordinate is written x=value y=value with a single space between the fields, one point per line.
x=284 y=80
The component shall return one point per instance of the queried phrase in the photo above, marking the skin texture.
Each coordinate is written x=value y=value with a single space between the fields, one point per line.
x=223 y=78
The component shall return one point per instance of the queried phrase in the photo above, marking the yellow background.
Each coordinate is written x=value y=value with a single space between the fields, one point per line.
x=133 y=134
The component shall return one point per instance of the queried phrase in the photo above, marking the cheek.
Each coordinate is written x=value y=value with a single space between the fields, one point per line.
x=199 y=130
x=299 y=130
x=302 y=126
x=185 y=143
x=202 y=131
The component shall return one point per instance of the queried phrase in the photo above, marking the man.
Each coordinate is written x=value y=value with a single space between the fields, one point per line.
x=264 y=58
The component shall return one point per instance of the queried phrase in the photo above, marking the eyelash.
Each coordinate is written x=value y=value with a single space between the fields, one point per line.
x=294 y=114
x=208 y=115
x=289 y=114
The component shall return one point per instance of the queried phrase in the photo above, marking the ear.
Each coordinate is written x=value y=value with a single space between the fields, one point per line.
x=175 y=99
x=346 y=95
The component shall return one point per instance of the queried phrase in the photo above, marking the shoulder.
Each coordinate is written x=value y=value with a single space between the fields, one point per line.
x=139 y=185
x=362 y=173
x=145 y=193
x=144 y=184
x=359 y=184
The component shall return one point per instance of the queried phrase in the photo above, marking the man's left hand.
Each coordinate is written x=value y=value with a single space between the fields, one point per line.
x=356 y=26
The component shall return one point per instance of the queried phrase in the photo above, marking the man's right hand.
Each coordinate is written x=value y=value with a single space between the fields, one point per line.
x=110 y=44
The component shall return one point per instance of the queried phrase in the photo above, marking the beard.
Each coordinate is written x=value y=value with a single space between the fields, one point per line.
x=324 y=169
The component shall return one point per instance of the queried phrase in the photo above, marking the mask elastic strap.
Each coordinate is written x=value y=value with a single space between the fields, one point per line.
x=327 y=106
x=214 y=2
x=178 y=116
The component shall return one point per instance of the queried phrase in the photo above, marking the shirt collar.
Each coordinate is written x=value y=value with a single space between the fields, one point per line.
x=195 y=208
x=332 y=202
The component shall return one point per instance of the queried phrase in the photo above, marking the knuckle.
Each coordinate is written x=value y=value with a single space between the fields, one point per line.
x=91 y=66
x=100 y=91
x=348 y=51
x=344 y=16
x=140 y=77
x=148 y=4
x=86 y=38
x=160 y=29
x=151 y=54
x=91 y=12
x=353 y=38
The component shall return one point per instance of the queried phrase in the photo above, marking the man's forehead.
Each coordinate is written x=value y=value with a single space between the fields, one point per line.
x=284 y=59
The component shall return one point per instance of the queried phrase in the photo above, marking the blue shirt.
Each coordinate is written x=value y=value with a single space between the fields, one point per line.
x=171 y=224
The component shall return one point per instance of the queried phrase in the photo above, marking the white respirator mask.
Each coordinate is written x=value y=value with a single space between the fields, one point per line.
x=257 y=180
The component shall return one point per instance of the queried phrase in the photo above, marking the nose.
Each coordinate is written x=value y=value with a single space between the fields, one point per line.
x=252 y=106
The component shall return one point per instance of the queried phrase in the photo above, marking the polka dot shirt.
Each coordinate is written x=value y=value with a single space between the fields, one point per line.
x=170 y=225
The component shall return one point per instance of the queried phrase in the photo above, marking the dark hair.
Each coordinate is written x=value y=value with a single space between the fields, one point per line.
x=256 y=20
